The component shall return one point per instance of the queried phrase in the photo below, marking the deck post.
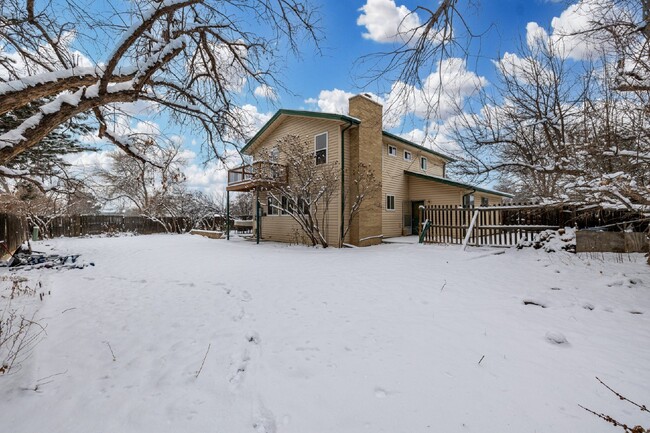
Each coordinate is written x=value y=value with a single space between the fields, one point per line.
x=257 y=216
x=227 y=215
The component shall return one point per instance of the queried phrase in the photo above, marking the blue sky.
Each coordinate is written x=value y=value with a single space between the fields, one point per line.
x=504 y=20
x=323 y=81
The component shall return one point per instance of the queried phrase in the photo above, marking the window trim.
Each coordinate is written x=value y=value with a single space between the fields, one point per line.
x=471 y=201
x=424 y=166
x=327 y=141
x=390 y=209
x=394 y=148
x=410 y=156
x=271 y=210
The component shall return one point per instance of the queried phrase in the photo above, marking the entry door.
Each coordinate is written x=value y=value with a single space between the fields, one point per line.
x=415 y=216
x=406 y=218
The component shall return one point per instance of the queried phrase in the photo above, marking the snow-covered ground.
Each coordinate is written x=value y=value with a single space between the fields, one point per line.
x=303 y=340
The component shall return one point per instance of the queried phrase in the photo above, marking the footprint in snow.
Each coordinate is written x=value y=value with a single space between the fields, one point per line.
x=246 y=297
x=380 y=393
x=253 y=337
x=264 y=421
x=556 y=338
x=588 y=306
x=239 y=367
x=636 y=312
x=535 y=303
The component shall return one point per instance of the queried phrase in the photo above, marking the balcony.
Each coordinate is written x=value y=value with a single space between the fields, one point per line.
x=260 y=174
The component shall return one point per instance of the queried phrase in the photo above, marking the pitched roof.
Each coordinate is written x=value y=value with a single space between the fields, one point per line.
x=339 y=117
x=302 y=113
x=417 y=146
x=446 y=181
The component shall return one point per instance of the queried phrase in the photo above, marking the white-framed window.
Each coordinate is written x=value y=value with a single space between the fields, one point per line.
x=407 y=155
x=468 y=200
x=320 y=148
x=392 y=150
x=272 y=208
x=390 y=202
x=423 y=163
x=485 y=201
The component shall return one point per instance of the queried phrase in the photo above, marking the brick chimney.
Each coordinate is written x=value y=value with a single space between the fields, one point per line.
x=366 y=148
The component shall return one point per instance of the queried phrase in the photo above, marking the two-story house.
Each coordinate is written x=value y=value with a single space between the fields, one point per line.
x=411 y=175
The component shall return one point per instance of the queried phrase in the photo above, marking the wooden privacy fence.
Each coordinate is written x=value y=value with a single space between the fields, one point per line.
x=495 y=225
x=13 y=232
x=81 y=225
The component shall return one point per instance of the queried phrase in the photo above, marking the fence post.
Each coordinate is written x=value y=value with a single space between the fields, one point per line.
x=470 y=229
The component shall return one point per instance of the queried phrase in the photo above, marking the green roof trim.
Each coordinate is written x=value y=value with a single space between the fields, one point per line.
x=417 y=146
x=456 y=183
x=302 y=113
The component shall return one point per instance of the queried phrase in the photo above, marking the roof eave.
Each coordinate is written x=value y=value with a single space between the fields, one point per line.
x=417 y=146
x=457 y=184
x=300 y=113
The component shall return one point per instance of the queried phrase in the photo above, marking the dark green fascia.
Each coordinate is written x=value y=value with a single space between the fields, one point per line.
x=417 y=146
x=458 y=184
x=302 y=113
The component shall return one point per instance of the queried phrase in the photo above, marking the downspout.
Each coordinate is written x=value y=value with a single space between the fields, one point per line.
x=342 y=228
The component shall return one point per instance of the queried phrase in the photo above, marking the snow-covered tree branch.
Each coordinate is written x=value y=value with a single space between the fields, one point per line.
x=189 y=57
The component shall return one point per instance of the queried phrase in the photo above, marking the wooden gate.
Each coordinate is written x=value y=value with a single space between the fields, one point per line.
x=494 y=225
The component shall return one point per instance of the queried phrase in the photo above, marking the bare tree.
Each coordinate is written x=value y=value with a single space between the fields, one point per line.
x=310 y=189
x=559 y=133
x=41 y=208
x=147 y=187
x=188 y=57
x=242 y=205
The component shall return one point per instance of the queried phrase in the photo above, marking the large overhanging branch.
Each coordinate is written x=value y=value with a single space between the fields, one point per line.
x=16 y=94
x=180 y=54
x=131 y=36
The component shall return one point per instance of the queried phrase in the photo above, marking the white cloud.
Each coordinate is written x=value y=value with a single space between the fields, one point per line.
x=232 y=74
x=517 y=67
x=86 y=162
x=535 y=35
x=332 y=101
x=566 y=37
x=386 y=22
x=252 y=119
x=441 y=95
x=266 y=91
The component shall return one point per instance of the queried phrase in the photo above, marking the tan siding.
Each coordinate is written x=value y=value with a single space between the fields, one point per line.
x=492 y=198
x=433 y=193
x=395 y=182
x=282 y=227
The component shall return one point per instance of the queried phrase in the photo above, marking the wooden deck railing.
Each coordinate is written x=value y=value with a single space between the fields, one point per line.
x=260 y=173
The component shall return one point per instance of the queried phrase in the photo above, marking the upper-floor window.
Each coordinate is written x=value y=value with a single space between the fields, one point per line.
x=407 y=155
x=320 y=147
x=423 y=163
x=392 y=150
